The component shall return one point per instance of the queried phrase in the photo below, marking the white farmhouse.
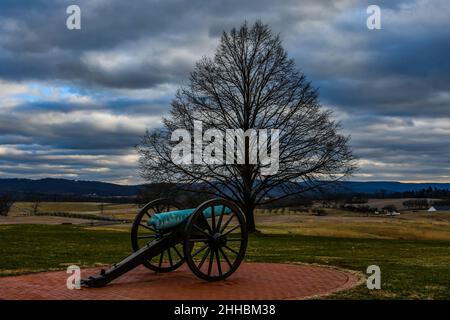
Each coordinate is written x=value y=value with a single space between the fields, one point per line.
x=437 y=207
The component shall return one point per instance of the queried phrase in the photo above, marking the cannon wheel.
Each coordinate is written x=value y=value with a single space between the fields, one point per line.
x=215 y=247
x=141 y=234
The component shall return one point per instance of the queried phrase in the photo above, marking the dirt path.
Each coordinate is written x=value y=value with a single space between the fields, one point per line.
x=40 y=220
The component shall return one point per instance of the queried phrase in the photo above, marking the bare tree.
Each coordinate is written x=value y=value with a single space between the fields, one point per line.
x=251 y=83
x=35 y=206
x=156 y=190
x=101 y=206
x=6 y=202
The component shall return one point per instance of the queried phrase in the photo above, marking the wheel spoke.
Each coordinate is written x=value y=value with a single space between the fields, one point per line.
x=146 y=237
x=211 y=260
x=204 y=258
x=161 y=259
x=227 y=223
x=219 y=267
x=178 y=252
x=213 y=219
x=231 y=230
x=225 y=256
x=147 y=227
x=170 y=257
x=202 y=231
x=220 y=218
x=199 y=250
x=198 y=240
x=232 y=250
x=206 y=223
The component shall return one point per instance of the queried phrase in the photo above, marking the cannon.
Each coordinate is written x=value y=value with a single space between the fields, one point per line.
x=211 y=239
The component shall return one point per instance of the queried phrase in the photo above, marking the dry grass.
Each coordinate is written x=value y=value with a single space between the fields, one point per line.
x=119 y=211
x=397 y=202
x=408 y=226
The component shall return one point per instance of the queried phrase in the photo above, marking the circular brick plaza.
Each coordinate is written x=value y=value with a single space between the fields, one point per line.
x=252 y=281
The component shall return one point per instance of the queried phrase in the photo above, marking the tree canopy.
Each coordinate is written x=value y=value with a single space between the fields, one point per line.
x=250 y=83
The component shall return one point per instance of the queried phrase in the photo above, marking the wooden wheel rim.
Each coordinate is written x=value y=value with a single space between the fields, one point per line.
x=175 y=253
x=216 y=248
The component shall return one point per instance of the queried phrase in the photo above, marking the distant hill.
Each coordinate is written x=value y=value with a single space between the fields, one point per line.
x=78 y=188
x=372 y=187
x=50 y=186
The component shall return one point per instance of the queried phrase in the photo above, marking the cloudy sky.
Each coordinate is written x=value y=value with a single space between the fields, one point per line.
x=74 y=103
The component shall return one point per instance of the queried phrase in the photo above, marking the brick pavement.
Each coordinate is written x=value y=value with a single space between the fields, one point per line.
x=252 y=281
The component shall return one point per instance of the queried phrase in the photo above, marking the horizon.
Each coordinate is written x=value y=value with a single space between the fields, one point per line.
x=138 y=184
x=75 y=103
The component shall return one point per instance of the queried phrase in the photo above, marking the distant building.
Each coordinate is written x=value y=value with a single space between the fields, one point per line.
x=393 y=213
x=437 y=207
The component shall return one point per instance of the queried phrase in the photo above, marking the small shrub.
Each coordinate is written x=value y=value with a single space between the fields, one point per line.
x=319 y=212
x=389 y=208
x=6 y=202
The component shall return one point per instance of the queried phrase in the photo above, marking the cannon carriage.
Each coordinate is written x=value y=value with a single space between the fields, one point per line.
x=211 y=239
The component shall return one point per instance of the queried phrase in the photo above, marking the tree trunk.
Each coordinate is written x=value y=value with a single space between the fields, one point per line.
x=248 y=204
x=249 y=217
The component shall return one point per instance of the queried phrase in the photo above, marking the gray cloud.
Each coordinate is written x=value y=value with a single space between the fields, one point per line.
x=116 y=76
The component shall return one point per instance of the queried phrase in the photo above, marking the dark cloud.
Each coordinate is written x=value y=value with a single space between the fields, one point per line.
x=71 y=100
x=36 y=44
x=75 y=130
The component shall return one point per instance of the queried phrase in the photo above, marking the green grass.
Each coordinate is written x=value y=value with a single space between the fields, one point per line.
x=410 y=269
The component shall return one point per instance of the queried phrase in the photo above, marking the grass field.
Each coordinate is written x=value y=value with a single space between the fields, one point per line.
x=411 y=269
x=408 y=226
x=119 y=211
x=412 y=250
